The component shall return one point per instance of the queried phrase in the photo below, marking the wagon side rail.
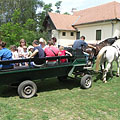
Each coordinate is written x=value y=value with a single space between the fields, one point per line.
x=6 y=62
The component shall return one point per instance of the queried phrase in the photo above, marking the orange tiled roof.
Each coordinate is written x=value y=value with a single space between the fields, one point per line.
x=99 y=13
x=63 y=22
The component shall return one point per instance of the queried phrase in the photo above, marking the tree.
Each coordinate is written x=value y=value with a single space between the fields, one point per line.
x=66 y=13
x=58 y=5
x=11 y=32
x=41 y=16
x=27 y=8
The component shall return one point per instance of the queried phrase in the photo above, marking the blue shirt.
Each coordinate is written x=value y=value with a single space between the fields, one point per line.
x=78 y=44
x=5 y=54
x=40 y=54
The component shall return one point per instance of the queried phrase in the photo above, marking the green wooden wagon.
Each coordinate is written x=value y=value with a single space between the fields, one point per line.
x=25 y=76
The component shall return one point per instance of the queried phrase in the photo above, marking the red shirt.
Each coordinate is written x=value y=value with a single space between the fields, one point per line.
x=62 y=53
x=49 y=52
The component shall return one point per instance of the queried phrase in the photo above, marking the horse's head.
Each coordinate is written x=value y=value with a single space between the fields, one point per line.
x=106 y=42
x=91 y=51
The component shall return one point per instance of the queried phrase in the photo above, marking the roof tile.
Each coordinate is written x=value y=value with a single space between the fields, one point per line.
x=62 y=21
x=103 y=12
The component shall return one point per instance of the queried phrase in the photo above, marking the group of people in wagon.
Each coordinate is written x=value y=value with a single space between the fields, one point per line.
x=39 y=49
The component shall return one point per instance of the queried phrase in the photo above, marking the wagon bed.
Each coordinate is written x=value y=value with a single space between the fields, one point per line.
x=25 y=76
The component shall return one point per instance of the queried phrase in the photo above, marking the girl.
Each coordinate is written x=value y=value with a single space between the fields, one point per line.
x=63 y=52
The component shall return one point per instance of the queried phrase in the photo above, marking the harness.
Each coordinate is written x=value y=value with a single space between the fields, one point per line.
x=117 y=48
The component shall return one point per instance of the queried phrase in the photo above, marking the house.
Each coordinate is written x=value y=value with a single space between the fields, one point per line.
x=96 y=24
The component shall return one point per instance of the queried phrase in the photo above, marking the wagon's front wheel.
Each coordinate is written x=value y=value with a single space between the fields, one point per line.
x=86 y=81
x=27 y=89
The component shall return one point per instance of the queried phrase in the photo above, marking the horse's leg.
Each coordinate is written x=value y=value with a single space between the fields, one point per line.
x=111 y=70
x=105 y=72
x=102 y=66
x=118 y=69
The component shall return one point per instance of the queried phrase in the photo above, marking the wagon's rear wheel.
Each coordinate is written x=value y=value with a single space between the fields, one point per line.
x=86 y=81
x=27 y=89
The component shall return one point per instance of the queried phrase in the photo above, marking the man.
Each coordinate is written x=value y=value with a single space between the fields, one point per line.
x=81 y=44
x=37 y=53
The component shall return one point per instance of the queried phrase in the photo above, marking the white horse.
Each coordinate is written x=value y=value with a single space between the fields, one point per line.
x=108 y=54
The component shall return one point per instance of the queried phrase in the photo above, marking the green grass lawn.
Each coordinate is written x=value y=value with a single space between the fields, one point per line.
x=64 y=101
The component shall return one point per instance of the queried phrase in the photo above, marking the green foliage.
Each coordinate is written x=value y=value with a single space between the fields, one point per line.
x=66 y=13
x=19 y=19
x=10 y=33
x=58 y=5
x=48 y=8
x=26 y=7
x=16 y=16
x=30 y=24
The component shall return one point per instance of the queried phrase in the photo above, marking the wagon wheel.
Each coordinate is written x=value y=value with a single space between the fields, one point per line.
x=27 y=89
x=86 y=81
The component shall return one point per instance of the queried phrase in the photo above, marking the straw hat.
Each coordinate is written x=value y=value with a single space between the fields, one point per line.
x=30 y=47
x=41 y=40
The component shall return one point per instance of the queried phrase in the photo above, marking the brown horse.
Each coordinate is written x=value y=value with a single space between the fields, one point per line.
x=94 y=52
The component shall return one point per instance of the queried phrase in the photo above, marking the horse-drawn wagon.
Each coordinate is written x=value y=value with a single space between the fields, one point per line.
x=25 y=76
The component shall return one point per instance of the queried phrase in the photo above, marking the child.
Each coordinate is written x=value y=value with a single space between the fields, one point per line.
x=30 y=50
x=25 y=52
x=15 y=55
x=13 y=49
x=63 y=52
x=25 y=55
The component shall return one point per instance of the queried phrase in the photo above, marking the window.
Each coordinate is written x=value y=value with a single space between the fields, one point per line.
x=98 y=34
x=78 y=35
x=72 y=33
x=63 y=33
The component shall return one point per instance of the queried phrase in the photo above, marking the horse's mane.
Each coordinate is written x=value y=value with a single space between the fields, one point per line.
x=108 y=41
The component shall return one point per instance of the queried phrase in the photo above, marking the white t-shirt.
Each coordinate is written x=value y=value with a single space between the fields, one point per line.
x=15 y=55
x=20 y=51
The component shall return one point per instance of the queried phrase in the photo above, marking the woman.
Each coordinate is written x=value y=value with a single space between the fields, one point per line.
x=43 y=43
x=20 y=48
x=51 y=51
x=5 y=54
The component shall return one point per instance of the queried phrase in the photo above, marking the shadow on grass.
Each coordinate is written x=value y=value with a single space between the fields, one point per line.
x=44 y=85
x=100 y=75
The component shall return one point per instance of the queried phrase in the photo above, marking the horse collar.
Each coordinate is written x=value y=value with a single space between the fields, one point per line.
x=117 y=47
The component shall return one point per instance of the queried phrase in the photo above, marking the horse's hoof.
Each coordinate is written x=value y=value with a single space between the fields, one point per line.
x=105 y=81
x=117 y=75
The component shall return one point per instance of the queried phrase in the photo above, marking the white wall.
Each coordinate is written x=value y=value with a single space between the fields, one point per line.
x=64 y=40
x=116 y=29
x=89 y=31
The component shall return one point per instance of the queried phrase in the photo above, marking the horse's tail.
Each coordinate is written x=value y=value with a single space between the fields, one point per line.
x=99 y=56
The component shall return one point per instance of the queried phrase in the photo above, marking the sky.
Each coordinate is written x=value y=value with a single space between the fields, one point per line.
x=67 y=5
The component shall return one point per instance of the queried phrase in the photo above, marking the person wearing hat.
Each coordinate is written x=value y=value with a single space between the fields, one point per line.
x=30 y=50
x=43 y=43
